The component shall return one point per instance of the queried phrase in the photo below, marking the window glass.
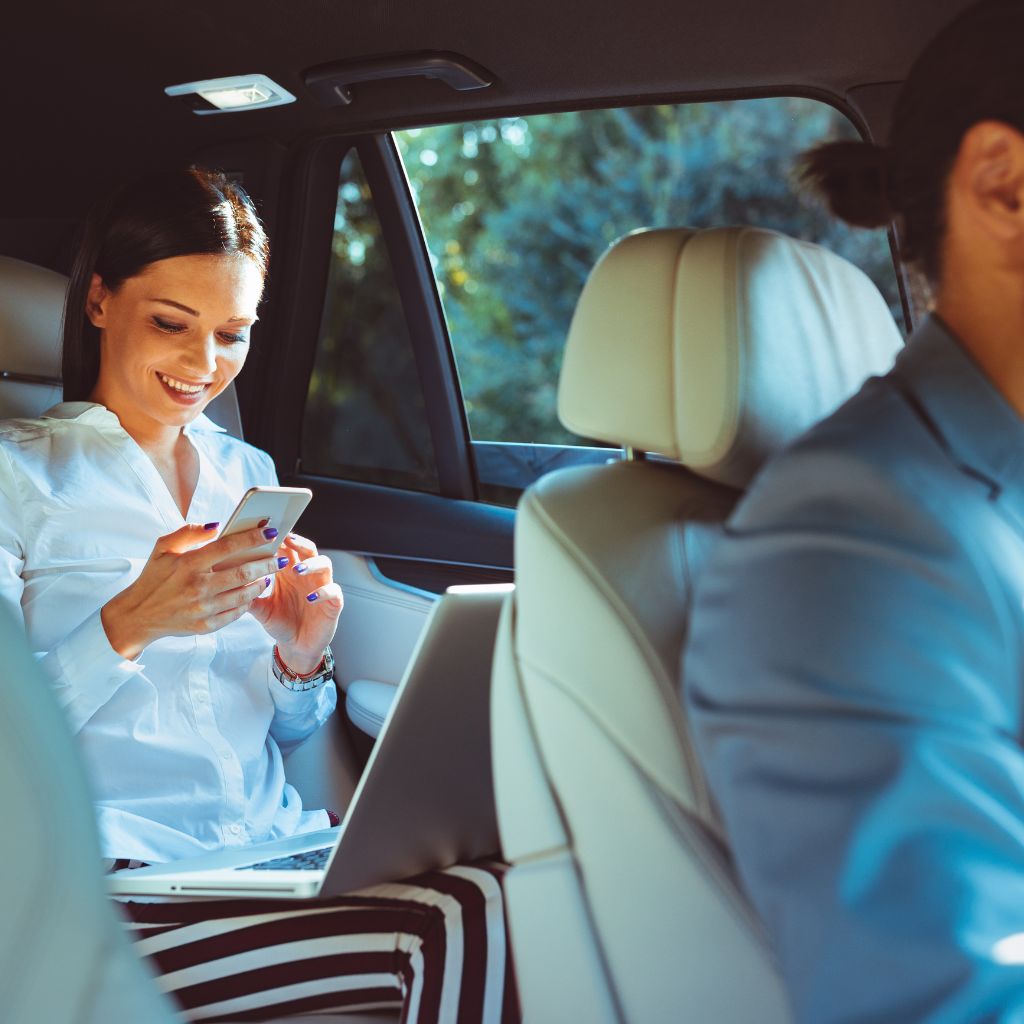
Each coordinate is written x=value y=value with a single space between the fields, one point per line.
x=365 y=418
x=517 y=210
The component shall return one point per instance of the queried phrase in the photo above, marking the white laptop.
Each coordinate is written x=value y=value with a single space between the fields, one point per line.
x=425 y=799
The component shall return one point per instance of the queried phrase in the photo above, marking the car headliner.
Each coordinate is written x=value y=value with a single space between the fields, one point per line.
x=84 y=82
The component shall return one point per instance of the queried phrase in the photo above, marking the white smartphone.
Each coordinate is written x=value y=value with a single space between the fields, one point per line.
x=281 y=505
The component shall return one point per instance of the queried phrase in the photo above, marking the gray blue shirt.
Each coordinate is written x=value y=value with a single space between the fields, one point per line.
x=854 y=681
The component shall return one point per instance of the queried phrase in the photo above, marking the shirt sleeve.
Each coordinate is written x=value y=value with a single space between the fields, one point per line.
x=854 y=694
x=298 y=714
x=85 y=671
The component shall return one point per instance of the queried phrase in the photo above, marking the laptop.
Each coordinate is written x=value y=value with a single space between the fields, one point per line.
x=425 y=799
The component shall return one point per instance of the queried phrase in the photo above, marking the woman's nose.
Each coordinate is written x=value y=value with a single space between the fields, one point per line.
x=201 y=355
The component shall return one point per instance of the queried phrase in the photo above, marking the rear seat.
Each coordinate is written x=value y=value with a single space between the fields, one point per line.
x=712 y=349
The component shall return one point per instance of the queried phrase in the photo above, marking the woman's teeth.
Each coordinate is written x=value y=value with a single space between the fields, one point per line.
x=188 y=389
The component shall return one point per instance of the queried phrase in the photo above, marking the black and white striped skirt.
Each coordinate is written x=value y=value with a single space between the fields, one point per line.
x=435 y=945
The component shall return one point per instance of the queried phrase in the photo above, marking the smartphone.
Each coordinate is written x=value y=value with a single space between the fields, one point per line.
x=281 y=505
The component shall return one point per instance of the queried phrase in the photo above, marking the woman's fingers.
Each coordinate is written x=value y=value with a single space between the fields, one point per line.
x=224 y=580
x=224 y=547
x=225 y=618
x=329 y=598
x=177 y=594
x=314 y=571
x=190 y=536
x=239 y=598
x=301 y=546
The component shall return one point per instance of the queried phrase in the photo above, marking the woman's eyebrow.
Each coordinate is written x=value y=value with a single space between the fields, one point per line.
x=192 y=312
x=177 y=305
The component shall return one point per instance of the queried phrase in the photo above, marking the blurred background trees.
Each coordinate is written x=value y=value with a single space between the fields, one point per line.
x=517 y=210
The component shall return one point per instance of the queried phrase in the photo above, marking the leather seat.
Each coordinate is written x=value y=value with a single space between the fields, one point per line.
x=63 y=958
x=711 y=349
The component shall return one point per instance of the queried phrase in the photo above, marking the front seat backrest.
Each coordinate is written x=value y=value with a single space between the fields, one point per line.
x=712 y=349
x=63 y=958
x=31 y=312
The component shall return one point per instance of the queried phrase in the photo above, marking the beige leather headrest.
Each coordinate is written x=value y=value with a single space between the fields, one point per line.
x=31 y=307
x=717 y=348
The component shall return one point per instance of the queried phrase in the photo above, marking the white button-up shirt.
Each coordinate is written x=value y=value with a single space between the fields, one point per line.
x=184 y=746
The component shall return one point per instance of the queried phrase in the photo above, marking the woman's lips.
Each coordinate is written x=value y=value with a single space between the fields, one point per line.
x=182 y=397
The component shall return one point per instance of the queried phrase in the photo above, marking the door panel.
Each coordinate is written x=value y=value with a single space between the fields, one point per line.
x=392 y=523
x=379 y=626
x=377 y=633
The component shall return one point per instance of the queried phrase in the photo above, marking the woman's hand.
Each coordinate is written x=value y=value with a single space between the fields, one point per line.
x=179 y=594
x=301 y=612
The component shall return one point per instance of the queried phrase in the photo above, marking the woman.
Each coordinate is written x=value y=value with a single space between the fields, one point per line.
x=856 y=671
x=185 y=684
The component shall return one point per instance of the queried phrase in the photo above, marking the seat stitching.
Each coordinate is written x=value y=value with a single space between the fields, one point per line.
x=686 y=828
x=667 y=693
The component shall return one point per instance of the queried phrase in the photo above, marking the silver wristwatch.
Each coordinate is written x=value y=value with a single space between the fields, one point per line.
x=296 y=682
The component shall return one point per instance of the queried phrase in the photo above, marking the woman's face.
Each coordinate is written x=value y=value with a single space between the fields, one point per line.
x=173 y=337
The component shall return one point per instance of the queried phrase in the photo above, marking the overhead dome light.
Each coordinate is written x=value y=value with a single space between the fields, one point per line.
x=228 y=95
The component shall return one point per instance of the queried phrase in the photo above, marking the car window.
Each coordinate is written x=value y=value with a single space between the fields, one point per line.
x=365 y=417
x=517 y=210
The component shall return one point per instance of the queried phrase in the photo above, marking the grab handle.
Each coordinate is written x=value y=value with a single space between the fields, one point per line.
x=332 y=84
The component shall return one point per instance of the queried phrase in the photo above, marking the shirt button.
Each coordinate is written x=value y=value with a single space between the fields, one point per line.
x=202 y=698
x=225 y=755
x=235 y=829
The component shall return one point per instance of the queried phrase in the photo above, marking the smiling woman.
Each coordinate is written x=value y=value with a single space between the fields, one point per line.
x=161 y=360
x=186 y=682
x=202 y=215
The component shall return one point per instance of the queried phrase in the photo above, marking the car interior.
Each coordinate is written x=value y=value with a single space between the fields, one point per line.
x=585 y=442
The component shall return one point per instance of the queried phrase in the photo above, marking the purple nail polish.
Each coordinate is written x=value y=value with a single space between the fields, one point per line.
x=301 y=567
x=210 y=526
x=282 y=561
x=270 y=533
x=266 y=582
x=312 y=597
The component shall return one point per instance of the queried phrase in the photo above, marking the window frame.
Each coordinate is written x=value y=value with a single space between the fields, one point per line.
x=308 y=200
x=305 y=255
x=586 y=454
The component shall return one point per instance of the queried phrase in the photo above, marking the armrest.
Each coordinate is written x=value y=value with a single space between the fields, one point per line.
x=367 y=703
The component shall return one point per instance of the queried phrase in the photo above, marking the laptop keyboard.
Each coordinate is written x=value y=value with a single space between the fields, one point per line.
x=308 y=861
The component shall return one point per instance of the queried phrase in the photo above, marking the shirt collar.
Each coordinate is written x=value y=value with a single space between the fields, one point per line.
x=100 y=416
x=976 y=423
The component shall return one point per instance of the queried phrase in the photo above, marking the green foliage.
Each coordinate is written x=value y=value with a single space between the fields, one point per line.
x=517 y=210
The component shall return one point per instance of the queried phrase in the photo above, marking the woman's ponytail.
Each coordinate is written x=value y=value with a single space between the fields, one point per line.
x=853 y=179
x=971 y=71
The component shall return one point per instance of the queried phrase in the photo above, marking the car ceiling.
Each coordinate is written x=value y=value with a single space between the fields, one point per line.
x=83 y=82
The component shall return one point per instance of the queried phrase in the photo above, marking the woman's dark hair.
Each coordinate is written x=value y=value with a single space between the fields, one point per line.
x=972 y=71
x=186 y=212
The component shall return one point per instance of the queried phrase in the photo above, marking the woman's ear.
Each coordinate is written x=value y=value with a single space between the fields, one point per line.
x=991 y=175
x=96 y=302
